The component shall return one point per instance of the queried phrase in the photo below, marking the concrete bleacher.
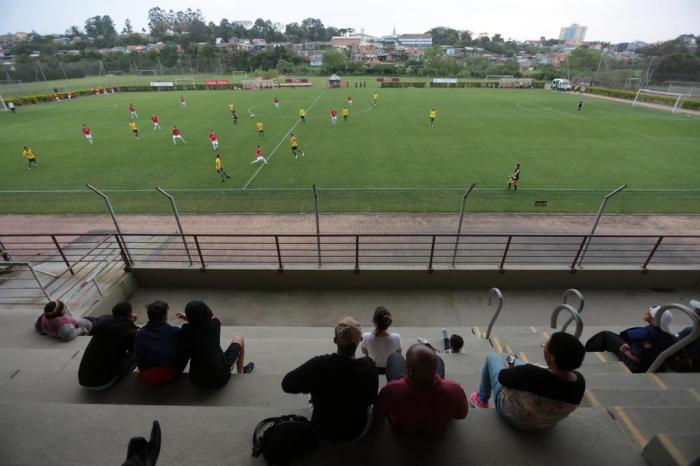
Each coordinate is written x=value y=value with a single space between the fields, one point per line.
x=624 y=419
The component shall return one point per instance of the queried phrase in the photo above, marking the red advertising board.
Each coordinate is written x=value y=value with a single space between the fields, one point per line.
x=216 y=82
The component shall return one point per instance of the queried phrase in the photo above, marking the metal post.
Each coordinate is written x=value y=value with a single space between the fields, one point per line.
x=127 y=254
x=432 y=253
x=651 y=254
x=177 y=220
x=60 y=251
x=505 y=253
x=461 y=219
x=357 y=254
x=279 y=254
x=199 y=251
x=603 y=203
x=41 y=285
x=318 y=226
x=4 y=252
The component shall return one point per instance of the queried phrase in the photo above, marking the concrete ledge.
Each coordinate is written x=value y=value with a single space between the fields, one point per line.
x=387 y=278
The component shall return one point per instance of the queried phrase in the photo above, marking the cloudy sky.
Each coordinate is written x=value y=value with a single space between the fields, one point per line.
x=608 y=20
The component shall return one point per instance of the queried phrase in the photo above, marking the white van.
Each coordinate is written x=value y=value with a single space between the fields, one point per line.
x=561 y=85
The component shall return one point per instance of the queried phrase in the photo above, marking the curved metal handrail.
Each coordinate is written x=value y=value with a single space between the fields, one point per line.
x=574 y=315
x=579 y=308
x=683 y=342
x=494 y=292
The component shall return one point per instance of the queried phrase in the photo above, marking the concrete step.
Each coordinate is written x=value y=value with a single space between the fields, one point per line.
x=641 y=398
x=642 y=424
x=673 y=449
x=222 y=436
x=37 y=359
x=254 y=390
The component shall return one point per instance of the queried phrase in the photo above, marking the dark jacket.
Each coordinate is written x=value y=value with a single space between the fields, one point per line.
x=646 y=343
x=200 y=339
x=158 y=344
x=110 y=348
x=341 y=388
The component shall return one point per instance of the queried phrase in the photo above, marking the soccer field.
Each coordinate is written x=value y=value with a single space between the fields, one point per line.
x=569 y=159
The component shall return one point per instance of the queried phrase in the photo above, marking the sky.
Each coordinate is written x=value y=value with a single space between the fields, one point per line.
x=607 y=20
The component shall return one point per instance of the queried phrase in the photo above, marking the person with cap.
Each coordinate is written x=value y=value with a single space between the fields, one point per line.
x=342 y=388
x=418 y=399
x=636 y=347
x=57 y=322
x=109 y=356
x=210 y=367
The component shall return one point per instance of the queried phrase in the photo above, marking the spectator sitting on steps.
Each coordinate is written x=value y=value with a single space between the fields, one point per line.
x=342 y=387
x=453 y=344
x=530 y=397
x=380 y=344
x=636 y=347
x=418 y=399
x=57 y=322
x=110 y=354
x=210 y=367
x=159 y=353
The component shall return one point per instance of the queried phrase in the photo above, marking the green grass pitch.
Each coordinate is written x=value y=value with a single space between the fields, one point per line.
x=478 y=137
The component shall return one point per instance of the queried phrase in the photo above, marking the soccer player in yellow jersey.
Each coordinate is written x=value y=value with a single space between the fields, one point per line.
x=294 y=144
x=260 y=128
x=345 y=112
x=375 y=97
x=433 y=115
x=134 y=129
x=220 y=168
x=302 y=114
x=31 y=158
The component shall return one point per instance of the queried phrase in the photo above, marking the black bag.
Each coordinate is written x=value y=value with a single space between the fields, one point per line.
x=287 y=439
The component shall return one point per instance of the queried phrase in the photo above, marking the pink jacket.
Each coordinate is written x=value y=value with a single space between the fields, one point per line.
x=66 y=327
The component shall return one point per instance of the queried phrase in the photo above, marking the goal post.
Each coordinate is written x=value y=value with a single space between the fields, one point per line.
x=184 y=82
x=3 y=106
x=148 y=72
x=659 y=97
x=498 y=76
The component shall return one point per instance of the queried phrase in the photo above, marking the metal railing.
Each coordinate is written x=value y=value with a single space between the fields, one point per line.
x=497 y=293
x=579 y=304
x=429 y=251
x=574 y=314
x=683 y=342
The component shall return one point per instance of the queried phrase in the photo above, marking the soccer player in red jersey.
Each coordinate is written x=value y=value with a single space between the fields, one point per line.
x=156 y=125
x=132 y=111
x=334 y=116
x=87 y=133
x=277 y=103
x=214 y=139
x=258 y=156
x=177 y=135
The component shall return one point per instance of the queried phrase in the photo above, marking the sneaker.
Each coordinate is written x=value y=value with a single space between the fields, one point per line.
x=249 y=368
x=475 y=401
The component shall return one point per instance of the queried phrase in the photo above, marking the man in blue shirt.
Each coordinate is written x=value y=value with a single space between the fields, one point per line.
x=159 y=353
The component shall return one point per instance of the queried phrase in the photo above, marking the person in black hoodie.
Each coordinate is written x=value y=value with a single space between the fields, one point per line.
x=342 y=387
x=210 y=367
x=110 y=354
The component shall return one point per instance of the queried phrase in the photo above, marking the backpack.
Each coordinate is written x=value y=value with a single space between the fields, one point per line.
x=287 y=439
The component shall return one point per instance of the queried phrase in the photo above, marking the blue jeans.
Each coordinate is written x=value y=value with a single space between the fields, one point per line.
x=495 y=363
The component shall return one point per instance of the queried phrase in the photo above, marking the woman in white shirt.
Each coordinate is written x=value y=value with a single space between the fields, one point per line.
x=380 y=344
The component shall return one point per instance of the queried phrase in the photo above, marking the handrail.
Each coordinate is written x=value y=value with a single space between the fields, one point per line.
x=565 y=307
x=683 y=342
x=31 y=269
x=579 y=307
x=497 y=293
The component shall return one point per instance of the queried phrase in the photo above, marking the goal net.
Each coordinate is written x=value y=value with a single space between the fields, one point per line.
x=3 y=107
x=148 y=72
x=633 y=83
x=669 y=99
x=184 y=82
x=691 y=89
x=258 y=83
x=240 y=74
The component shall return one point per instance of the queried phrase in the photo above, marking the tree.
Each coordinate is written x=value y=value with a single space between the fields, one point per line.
x=315 y=31
x=583 y=58
x=159 y=22
x=127 y=27
x=334 y=61
x=444 y=36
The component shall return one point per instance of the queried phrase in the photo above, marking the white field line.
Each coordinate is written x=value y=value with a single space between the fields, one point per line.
x=284 y=138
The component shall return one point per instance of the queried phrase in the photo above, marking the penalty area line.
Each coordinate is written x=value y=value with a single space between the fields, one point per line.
x=284 y=138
